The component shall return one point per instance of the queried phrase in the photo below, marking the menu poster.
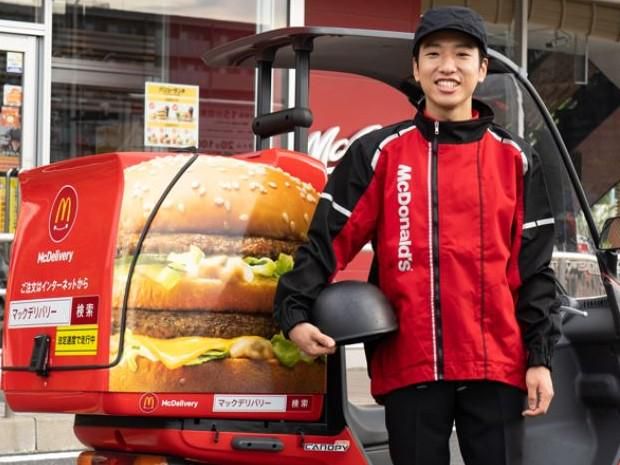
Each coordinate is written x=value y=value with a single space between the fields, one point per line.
x=170 y=115
x=15 y=62
x=12 y=95
x=10 y=117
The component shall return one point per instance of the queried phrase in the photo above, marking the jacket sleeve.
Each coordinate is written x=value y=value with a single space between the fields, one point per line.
x=343 y=222
x=537 y=306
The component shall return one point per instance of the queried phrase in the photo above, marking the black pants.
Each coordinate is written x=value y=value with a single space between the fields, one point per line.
x=487 y=416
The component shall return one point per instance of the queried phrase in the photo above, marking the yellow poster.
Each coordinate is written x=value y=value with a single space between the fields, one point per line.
x=76 y=340
x=13 y=204
x=170 y=115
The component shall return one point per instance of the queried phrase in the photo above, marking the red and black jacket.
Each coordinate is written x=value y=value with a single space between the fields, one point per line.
x=460 y=221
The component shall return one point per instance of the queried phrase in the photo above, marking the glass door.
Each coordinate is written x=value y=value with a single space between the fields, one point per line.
x=18 y=134
x=17 y=101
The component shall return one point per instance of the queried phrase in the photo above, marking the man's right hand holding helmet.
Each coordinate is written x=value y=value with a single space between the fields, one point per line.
x=311 y=340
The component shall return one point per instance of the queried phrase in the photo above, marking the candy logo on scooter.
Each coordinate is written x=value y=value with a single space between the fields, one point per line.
x=337 y=446
x=63 y=213
x=148 y=402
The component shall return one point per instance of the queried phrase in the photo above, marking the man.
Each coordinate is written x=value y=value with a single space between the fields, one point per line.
x=15 y=142
x=458 y=214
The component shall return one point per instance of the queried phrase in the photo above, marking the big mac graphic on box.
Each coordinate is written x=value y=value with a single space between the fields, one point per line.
x=199 y=313
x=141 y=273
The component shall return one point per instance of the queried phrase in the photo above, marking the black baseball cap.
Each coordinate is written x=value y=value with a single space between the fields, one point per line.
x=453 y=18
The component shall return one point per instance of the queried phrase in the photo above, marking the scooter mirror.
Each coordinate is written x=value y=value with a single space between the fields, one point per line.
x=610 y=234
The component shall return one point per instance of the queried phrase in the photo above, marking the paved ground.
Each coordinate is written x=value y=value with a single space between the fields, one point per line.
x=59 y=458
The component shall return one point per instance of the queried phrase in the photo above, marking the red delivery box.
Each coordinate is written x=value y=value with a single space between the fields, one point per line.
x=143 y=283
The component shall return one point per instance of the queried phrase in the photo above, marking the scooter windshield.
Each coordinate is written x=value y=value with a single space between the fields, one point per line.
x=518 y=109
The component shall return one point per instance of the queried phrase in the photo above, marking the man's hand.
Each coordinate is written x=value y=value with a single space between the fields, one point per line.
x=539 y=391
x=311 y=340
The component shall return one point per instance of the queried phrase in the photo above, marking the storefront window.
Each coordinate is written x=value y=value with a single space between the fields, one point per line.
x=22 y=10
x=499 y=19
x=11 y=85
x=104 y=53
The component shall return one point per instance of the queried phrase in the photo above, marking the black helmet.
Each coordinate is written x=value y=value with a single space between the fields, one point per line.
x=353 y=311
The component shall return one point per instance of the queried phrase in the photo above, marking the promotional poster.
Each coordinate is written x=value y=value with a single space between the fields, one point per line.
x=199 y=312
x=171 y=115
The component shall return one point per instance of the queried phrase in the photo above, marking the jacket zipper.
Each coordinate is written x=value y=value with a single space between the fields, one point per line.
x=435 y=256
x=482 y=261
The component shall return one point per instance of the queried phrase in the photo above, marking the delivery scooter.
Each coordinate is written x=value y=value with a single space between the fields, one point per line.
x=104 y=322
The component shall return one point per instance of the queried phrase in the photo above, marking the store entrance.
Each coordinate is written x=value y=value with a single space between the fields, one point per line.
x=18 y=77
x=18 y=136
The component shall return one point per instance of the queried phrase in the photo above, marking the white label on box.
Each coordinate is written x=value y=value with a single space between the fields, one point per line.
x=236 y=403
x=40 y=313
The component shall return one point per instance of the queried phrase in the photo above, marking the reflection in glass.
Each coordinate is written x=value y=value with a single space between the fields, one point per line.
x=573 y=261
x=11 y=98
x=580 y=84
x=22 y=10
x=103 y=55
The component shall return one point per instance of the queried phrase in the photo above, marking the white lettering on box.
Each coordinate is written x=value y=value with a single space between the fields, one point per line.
x=337 y=446
x=39 y=313
x=179 y=403
x=53 y=256
x=234 y=403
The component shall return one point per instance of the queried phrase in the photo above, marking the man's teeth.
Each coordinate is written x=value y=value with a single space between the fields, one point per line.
x=447 y=84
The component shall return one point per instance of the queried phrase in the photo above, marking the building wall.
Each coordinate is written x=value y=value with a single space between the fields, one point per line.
x=391 y=15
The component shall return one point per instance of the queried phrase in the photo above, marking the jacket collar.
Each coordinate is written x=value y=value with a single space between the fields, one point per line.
x=455 y=132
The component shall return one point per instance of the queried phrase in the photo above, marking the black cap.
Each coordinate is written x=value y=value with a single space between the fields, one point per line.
x=453 y=18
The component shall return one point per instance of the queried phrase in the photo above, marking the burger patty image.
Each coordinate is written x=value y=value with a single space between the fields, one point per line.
x=199 y=313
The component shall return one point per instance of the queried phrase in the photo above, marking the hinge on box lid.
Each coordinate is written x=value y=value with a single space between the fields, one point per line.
x=302 y=438
x=216 y=437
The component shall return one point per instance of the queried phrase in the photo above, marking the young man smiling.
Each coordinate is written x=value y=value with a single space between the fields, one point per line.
x=458 y=214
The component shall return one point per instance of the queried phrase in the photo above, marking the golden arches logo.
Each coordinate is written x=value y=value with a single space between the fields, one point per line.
x=148 y=402
x=63 y=213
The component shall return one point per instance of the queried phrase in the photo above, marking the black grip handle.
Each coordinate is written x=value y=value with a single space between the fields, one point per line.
x=281 y=122
x=258 y=444
x=39 y=358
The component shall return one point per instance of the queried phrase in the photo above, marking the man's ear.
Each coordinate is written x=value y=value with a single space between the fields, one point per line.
x=484 y=66
x=416 y=71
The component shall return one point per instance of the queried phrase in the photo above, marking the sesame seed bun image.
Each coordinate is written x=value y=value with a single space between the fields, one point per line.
x=199 y=313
